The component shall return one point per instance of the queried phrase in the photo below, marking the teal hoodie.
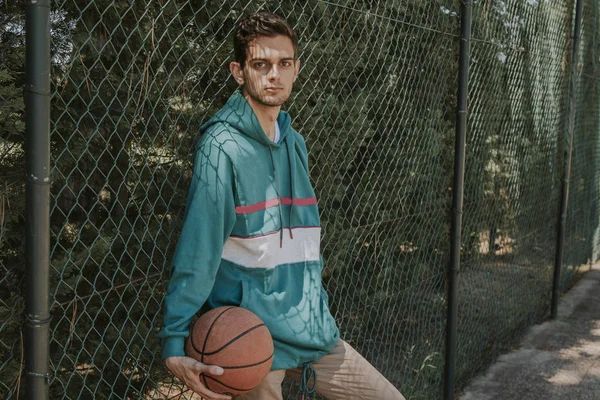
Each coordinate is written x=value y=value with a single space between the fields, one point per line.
x=251 y=238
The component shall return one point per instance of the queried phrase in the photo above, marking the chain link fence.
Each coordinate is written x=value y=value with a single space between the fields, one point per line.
x=583 y=235
x=518 y=93
x=376 y=102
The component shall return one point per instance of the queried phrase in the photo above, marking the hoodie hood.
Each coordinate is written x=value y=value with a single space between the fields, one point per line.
x=240 y=115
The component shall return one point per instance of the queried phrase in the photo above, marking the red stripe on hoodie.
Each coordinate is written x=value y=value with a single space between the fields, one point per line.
x=286 y=201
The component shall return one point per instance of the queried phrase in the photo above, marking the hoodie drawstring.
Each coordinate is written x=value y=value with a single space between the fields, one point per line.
x=278 y=199
x=308 y=373
x=290 y=144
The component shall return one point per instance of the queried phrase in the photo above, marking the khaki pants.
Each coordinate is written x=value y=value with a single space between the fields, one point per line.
x=341 y=374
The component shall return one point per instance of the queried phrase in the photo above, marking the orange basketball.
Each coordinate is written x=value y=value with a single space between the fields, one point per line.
x=236 y=340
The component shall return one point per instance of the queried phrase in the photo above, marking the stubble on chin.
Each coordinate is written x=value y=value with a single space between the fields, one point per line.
x=266 y=100
x=272 y=102
x=254 y=91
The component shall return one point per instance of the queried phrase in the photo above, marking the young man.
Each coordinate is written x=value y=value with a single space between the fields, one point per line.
x=251 y=234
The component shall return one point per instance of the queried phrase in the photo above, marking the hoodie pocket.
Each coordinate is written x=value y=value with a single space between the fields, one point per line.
x=276 y=305
x=296 y=313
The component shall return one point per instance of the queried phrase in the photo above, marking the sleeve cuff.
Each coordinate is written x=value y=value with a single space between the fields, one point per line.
x=173 y=347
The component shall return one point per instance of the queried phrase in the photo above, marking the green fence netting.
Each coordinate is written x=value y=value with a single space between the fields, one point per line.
x=513 y=174
x=582 y=240
x=376 y=102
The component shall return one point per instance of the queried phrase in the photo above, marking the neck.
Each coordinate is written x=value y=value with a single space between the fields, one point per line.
x=267 y=115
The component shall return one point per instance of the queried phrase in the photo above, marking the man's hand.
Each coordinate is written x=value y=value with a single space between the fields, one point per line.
x=188 y=370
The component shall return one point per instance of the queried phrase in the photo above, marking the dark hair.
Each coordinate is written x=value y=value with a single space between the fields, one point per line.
x=258 y=24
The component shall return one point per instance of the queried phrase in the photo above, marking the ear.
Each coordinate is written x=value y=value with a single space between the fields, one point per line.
x=296 y=69
x=237 y=72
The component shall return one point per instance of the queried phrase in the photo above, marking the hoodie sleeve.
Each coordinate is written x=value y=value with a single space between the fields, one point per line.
x=208 y=222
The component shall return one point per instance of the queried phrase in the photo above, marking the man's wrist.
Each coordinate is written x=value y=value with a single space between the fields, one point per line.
x=173 y=347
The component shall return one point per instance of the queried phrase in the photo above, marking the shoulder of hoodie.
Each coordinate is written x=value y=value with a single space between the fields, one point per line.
x=221 y=136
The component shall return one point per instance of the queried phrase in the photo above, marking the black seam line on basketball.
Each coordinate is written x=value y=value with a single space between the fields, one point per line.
x=227 y=386
x=231 y=341
x=250 y=365
x=208 y=334
x=204 y=379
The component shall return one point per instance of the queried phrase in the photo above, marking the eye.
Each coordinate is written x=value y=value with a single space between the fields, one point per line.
x=259 y=65
x=286 y=63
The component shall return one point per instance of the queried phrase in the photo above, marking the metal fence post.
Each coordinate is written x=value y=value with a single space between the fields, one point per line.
x=567 y=170
x=466 y=13
x=37 y=109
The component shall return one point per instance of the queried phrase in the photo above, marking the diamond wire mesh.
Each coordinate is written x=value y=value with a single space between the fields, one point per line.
x=379 y=169
x=375 y=100
x=582 y=232
x=513 y=174
x=12 y=195
x=134 y=130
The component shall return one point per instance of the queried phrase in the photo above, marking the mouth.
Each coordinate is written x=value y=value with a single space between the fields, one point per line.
x=273 y=89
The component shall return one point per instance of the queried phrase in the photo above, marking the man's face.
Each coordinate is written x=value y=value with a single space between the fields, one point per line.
x=270 y=70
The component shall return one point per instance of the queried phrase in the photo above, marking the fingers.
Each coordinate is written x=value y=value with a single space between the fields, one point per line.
x=203 y=390
x=210 y=395
x=189 y=371
x=212 y=370
x=198 y=368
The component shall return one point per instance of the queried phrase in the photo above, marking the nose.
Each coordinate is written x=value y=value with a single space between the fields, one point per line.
x=273 y=73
